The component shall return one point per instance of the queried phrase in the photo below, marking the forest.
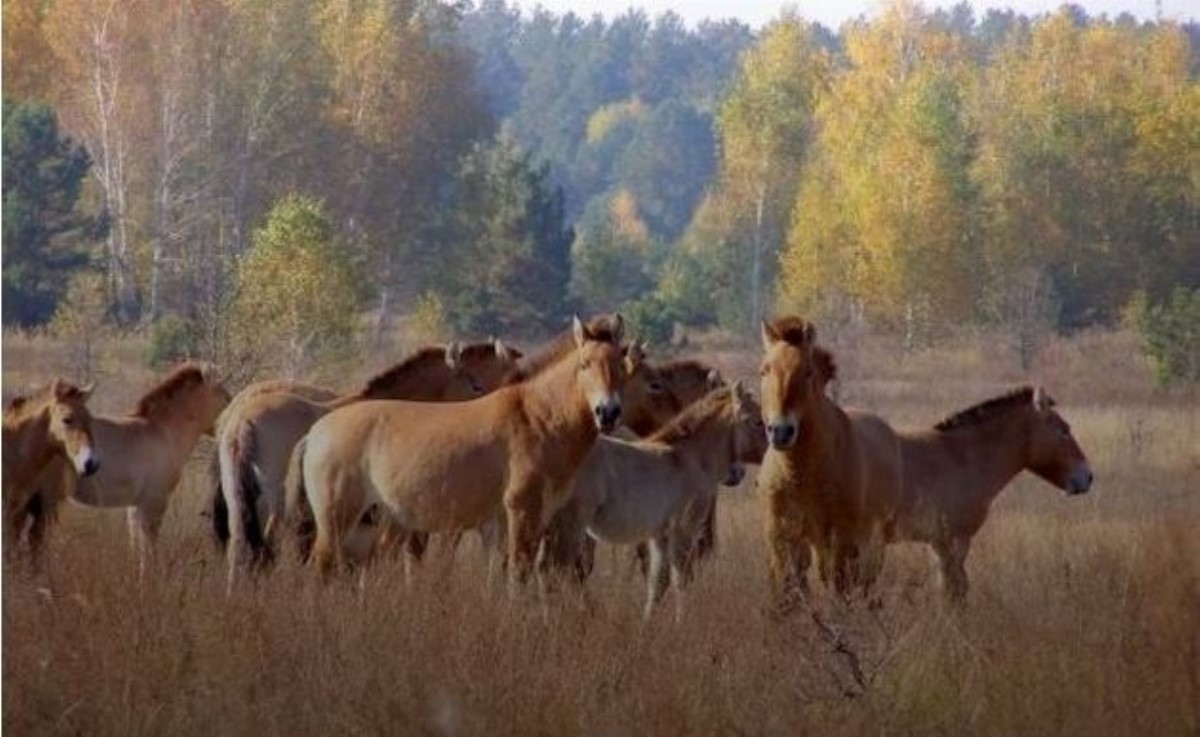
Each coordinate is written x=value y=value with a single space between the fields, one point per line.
x=213 y=171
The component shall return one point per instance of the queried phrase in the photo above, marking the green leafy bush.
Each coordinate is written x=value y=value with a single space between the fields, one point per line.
x=1170 y=333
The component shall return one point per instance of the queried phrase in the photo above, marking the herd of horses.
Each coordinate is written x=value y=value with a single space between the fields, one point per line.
x=544 y=455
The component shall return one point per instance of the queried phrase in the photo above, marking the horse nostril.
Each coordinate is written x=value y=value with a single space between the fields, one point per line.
x=90 y=466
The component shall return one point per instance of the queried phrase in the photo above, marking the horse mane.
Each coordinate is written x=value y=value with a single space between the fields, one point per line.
x=688 y=422
x=182 y=378
x=685 y=366
x=826 y=365
x=987 y=409
x=421 y=358
x=791 y=329
x=601 y=328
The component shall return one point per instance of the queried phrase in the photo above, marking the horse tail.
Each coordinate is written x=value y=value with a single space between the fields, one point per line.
x=216 y=508
x=241 y=491
x=299 y=511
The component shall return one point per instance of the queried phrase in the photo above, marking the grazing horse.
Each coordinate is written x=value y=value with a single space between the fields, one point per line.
x=144 y=452
x=823 y=464
x=51 y=424
x=257 y=439
x=446 y=467
x=660 y=490
x=953 y=472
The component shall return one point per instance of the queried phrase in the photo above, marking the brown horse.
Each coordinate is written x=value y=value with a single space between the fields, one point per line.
x=823 y=465
x=38 y=429
x=446 y=467
x=256 y=441
x=145 y=451
x=953 y=472
x=653 y=394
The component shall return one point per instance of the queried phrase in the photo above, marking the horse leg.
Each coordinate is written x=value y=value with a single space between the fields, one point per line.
x=144 y=522
x=790 y=560
x=658 y=573
x=524 y=508
x=683 y=559
x=952 y=557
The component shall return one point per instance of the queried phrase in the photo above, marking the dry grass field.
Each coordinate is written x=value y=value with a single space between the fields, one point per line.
x=1084 y=616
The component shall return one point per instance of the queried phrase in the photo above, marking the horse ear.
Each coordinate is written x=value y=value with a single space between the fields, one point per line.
x=810 y=333
x=739 y=393
x=17 y=403
x=502 y=351
x=581 y=334
x=618 y=328
x=714 y=379
x=85 y=391
x=453 y=355
x=769 y=336
x=1041 y=400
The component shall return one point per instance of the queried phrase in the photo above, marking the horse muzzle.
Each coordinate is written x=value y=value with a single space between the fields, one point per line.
x=1080 y=481
x=86 y=464
x=607 y=414
x=737 y=472
x=781 y=435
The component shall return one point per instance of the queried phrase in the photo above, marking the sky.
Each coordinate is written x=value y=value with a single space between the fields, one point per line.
x=833 y=12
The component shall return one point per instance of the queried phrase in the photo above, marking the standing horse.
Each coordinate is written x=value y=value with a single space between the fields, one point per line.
x=953 y=472
x=823 y=464
x=144 y=452
x=660 y=490
x=257 y=440
x=445 y=467
x=651 y=396
x=38 y=429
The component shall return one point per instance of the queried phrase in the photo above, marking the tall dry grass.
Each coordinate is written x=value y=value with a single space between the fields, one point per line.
x=1084 y=616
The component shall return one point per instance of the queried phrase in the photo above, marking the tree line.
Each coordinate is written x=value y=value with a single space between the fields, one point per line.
x=919 y=170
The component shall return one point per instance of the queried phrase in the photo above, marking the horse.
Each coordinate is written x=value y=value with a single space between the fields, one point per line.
x=446 y=467
x=653 y=395
x=823 y=464
x=256 y=441
x=38 y=429
x=659 y=490
x=145 y=451
x=215 y=508
x=954 y=471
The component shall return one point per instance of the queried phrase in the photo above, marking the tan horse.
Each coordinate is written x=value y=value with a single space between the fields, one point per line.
x=256 y=440
x=144 y=452
x=653 y=394
x=51 y=424
x=660 y=490
x=953 y=472
x=823 y=464
x=446 y=467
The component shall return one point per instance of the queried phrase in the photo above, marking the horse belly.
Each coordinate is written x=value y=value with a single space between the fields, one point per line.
x=441 y=492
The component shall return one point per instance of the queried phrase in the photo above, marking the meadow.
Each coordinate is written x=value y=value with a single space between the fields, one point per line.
x=1083 y=617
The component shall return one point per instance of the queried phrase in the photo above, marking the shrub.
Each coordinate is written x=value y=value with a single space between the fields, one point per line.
x=1170 y=333
x=172 y=339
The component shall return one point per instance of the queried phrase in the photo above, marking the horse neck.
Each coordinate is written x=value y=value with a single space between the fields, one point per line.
x=823 y=425
x=709 y=442
x=999 y=450
x=553 y=399
x=25 y=447
x=183 y=424
x=412 y=384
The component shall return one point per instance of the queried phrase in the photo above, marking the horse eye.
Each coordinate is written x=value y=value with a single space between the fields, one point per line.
x=68 y=420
